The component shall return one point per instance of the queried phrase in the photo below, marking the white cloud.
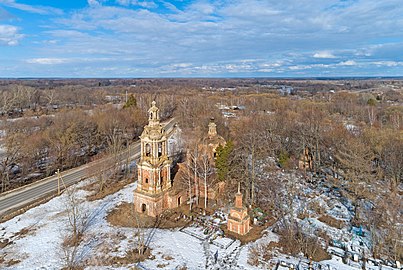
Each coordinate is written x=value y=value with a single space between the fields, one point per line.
x=181 y=65
x=324 y=54
x=47 y=61
x=388 y=63
x=144 y=4
x=31 y=8
x=221 y=37
x=93 y=3
x=348 y=63
x=9 y=35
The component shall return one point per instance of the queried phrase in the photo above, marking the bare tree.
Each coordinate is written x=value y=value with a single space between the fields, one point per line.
x=78 y=221
x=10 y=158
x=392 y=157
x=192 y=166
x=140 y=231
x=355 y=158
x=205 y=171
x=187 y=181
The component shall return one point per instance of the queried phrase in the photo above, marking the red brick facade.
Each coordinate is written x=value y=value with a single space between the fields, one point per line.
x=238 y=218
x=154 y=192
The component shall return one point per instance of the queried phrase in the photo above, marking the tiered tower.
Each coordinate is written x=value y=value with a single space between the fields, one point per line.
x=154 y=176
x=238 y=218
x=211 y=142
x=212 y=129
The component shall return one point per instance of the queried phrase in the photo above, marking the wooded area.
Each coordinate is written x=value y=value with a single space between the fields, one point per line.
x=351 y=130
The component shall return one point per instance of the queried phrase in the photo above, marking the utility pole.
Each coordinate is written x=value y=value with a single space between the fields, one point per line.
x=128 y=160
x=58 y=181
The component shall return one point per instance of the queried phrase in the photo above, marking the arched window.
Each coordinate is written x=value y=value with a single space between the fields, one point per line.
x=146 y=181
x=159 y=149
x=148 y=150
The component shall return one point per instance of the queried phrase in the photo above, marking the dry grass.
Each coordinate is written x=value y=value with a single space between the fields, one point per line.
x=294 y=243
x=254 y=234
x=8 y=263
x=304 y=214
x=131 y=256
x=23 y=232
x=71 y=241
x=123 y=216
x=331 y=221
x=167 y=257
x=317 y=207
x=73 y=268
x=12 y=262
x=5 y=243
x=261 y=251
x=108 y=189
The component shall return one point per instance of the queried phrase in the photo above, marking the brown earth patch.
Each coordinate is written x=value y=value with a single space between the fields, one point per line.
x=23 y=232
x=261 y=251
x=73 y=268
x=124 y=216
x=295 y=243
x=331 y=221
x=5 y=242
x=254 y=234
x=108 y=189
x=131 y=256
x=72 y=241
x=12 y=262
x=167 y=257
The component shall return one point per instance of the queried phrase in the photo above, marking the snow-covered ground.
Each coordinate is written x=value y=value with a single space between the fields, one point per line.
x=38 y=234
x=46 y=227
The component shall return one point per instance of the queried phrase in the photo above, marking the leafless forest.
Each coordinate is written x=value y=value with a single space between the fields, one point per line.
x=350 y=130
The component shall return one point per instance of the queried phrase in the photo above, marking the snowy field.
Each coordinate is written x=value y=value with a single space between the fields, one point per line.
x=36 y=240
x=44 y=228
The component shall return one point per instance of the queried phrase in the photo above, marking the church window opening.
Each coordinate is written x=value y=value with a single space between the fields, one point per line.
x=159 y=149
x=148 y=150
x=143 y=208
x=146 y=181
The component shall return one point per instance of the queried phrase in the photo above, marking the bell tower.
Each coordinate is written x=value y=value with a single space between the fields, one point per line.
x=212 y=129
x=154 y=165
x=154 y=175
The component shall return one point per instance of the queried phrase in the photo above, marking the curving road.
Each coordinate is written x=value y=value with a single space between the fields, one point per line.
x=18 y=198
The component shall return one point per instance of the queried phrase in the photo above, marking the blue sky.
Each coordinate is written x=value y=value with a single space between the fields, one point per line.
x=224 y=38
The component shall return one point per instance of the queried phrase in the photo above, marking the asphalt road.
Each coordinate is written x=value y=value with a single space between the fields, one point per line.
x=18 y=198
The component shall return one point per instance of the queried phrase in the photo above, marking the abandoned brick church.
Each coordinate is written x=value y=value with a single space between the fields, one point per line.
x=157 y=192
